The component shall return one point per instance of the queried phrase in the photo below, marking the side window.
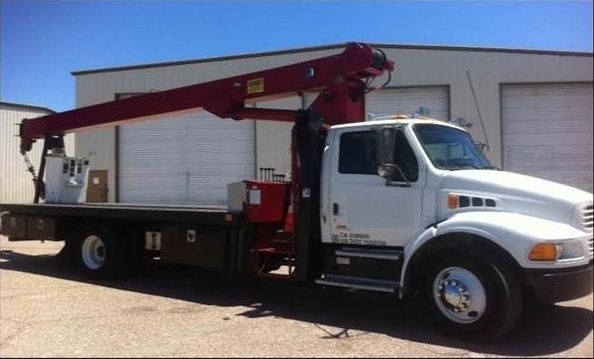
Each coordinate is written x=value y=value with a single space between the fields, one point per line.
x=357 y=153
x=405 y=158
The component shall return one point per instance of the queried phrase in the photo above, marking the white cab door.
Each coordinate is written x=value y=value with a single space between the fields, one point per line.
x=363 y=210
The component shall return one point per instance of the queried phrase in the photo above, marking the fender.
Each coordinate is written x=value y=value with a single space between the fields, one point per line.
x=514 y=232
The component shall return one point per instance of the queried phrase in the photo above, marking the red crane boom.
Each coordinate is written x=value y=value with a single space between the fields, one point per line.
x=339 y=78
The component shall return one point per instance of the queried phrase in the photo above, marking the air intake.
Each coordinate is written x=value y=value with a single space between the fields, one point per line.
x=588 y=217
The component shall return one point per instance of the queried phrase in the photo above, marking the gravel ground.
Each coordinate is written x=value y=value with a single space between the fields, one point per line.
x=48 y=310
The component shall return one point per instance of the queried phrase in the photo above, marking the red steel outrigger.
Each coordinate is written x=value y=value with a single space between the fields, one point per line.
x=342 y=81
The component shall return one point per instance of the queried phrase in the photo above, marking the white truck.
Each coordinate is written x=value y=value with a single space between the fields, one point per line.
x=472 y=239
x=400 y=204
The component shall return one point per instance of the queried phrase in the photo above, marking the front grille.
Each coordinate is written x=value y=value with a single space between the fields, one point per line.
x=590 y=245
x=588 y=217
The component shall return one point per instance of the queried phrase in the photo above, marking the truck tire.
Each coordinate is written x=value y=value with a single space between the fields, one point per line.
x=100 y=253
x=472 y=296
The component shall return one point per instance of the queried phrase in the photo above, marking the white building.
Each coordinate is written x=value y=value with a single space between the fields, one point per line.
x=16 y=183
x=536 y=109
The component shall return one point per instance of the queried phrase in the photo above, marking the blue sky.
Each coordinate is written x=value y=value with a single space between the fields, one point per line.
x=42 y=42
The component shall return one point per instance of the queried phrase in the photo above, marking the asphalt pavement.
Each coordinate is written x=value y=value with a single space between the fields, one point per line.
x=50 y=310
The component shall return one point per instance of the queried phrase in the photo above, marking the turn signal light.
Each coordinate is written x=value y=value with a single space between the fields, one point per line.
x=452 y=201
x=544 y=252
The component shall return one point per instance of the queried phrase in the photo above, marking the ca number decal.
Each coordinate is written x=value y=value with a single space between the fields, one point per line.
x=356 y=238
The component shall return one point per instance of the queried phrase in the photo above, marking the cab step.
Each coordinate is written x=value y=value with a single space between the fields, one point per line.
x=394 y=255
x=378 y=285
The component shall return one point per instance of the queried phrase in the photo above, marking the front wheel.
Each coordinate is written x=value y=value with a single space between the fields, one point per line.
x=472 y=296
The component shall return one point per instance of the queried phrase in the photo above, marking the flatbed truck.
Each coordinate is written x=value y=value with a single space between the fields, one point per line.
x=402 y=204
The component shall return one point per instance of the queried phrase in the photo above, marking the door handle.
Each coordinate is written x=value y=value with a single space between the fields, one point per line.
x=335 y=209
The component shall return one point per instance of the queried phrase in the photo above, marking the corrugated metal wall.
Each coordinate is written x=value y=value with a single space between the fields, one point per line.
x=16 y=185
x=184 y=160
x=547 y=131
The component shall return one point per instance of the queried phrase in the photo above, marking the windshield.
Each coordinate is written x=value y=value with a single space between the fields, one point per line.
x=450 y=148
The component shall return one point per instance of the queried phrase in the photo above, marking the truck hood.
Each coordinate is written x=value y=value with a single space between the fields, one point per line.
x=524 y=194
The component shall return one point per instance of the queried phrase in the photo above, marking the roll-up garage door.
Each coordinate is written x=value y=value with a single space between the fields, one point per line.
x=547 y=131
x=406 y=100
x=184 y=160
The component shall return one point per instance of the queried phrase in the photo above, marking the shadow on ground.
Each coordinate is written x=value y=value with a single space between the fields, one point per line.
x=542 y=330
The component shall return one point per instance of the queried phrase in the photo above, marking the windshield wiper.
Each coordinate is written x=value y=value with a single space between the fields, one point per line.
x=491 y=167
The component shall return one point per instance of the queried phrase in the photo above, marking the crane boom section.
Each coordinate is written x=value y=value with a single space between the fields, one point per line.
x=339 y=77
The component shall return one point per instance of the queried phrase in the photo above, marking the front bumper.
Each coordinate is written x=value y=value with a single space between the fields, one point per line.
x=561 y=285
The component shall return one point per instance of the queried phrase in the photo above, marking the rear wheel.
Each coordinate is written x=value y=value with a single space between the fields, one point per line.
x=473 y=296
x=101 y=253
x=93 y=252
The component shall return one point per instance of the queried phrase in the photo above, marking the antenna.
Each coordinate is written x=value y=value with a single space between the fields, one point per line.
x=478 y=110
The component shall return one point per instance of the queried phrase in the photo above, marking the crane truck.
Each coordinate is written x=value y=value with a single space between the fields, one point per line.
x=402 y=204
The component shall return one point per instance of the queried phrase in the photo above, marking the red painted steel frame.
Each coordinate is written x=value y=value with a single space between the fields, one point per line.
x=339 y=79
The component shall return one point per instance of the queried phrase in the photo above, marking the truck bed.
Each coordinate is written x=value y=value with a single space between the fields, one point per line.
x=206 y=236
x=213 y=215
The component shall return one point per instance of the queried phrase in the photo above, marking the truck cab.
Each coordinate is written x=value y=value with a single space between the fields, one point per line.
x=419 y=192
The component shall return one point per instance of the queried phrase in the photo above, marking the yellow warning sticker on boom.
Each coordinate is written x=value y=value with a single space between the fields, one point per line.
x=255 y=86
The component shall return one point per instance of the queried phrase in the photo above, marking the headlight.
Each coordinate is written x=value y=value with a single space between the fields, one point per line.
x=572 y=250
x=553 y=251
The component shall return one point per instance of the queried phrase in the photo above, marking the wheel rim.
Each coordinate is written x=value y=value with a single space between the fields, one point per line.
x=459 y=295
x=93 y=252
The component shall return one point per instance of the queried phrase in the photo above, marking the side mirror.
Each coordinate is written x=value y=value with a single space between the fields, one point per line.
x=385 y=138
x=385 y=170
x=385 y=142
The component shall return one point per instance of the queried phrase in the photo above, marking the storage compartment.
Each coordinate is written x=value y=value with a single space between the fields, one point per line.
x=262 y=202
x=41 y=227
x=13 y=226
x=201 y=246
x=66 y=179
